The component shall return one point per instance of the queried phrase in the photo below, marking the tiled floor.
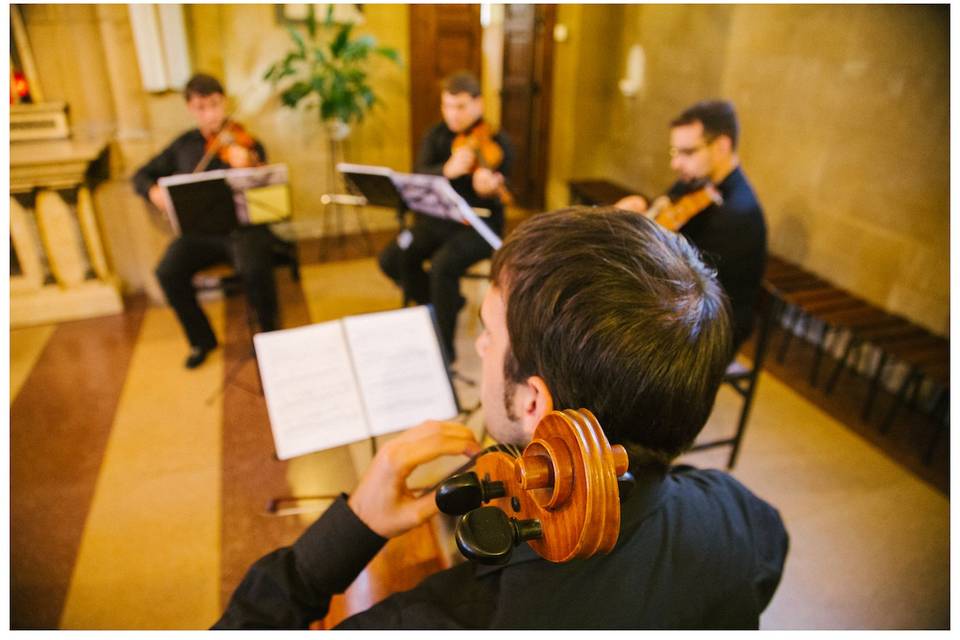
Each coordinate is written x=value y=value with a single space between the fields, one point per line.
x=166 y=483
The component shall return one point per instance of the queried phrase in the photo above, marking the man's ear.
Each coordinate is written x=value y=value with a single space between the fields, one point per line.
x=725 y=143
x=535 y=401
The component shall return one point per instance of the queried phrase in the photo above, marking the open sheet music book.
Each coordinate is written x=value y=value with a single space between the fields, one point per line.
x=217 y=202
x=428 y=194
x=334 y=383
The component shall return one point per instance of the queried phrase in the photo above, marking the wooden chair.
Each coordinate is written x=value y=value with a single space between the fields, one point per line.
x=225 y=279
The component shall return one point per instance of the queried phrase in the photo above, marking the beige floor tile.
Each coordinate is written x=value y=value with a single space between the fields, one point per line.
x=26 y=345
x=869 y=542
x=149 y=557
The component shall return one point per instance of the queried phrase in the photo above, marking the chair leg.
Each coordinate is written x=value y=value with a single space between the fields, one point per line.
x=874 y=385
x=788 y=329
x=841 y=365
x=940 y=415
x=820 y=347
x=800 y=326
x=742 y=425
x=912 y=377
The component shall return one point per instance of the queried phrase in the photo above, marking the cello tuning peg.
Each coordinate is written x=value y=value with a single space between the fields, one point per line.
x=465 y=491
x=625 y=485
x=487 y=535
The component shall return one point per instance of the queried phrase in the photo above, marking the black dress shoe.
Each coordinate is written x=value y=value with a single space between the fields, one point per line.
x=197 y=356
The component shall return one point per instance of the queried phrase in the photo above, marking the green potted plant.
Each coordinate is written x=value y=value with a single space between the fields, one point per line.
x=329 y=66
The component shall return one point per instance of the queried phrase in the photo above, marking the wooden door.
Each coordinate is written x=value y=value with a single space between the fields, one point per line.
x=443 y=38
x=526 y=95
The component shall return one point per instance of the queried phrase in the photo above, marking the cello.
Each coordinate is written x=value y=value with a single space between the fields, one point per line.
x=561 y=495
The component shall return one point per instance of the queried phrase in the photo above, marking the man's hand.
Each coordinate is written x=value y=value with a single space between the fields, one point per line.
x=637 y=204
x=486 y=183
x=382 y=500
x=459 y=164
x=156 y=197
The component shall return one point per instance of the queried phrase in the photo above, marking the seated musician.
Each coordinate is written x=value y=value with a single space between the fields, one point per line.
x=449 y=150
x=248 y=249
x=732 y=236
x=601 y=309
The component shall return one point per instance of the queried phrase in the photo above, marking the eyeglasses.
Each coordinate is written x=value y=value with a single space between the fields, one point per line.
x=687 y=152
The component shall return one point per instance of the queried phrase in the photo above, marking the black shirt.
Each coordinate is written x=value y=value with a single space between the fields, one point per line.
x=181 y=156
x=733 y=239
x=435 y=150
x=697 y=550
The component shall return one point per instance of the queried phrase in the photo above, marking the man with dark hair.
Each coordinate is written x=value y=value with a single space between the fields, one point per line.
x=732 y=236
x=450 y=247
x=597 y=309
x=248 y=249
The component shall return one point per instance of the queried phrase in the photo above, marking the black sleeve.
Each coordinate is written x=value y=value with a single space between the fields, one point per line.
x=163 y=164
x=431 y=157
x=260 y=151
x=292 y=587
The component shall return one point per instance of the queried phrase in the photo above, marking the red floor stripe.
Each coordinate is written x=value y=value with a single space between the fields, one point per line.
x=59 y=426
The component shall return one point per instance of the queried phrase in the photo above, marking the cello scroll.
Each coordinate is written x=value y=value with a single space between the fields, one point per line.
x=561 y=495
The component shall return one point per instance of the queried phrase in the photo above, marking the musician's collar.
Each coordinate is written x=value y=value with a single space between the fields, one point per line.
x=722 y=172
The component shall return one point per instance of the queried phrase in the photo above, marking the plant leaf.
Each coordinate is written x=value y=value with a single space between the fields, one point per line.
x=343 y=37
x=312 y=22
x=298 y=40
x=295 y=94
x=389 y=52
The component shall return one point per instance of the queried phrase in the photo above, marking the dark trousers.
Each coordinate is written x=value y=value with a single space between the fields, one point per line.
x=451 y=248
x=249 y=250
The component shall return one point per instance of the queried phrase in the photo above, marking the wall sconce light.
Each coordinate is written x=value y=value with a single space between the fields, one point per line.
x=633 y=83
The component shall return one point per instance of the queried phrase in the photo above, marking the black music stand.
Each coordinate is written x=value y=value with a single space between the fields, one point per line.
x=205 y=207
x=378 y=189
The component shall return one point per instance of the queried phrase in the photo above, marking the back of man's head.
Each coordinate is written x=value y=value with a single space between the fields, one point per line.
x=462 y=82
x=718 y=118
x=619 y=316
x=201 y=84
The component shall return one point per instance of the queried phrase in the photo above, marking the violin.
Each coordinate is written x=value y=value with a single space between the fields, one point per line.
x=561 y=495
x=231 y=133
x=487 y=153
x=673 y=215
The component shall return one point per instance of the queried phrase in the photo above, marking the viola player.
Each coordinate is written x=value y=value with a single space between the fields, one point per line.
x=732 y=235
x=588 y=308
x=451 y=247
x=248 y=249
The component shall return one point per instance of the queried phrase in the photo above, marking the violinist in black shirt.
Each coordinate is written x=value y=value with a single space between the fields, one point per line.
x=450 y=247
x=249 y=249
x=732 y=236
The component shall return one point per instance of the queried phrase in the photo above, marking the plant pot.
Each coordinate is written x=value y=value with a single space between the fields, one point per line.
x=337 y=129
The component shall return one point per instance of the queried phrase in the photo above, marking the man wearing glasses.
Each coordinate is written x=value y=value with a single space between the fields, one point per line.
x=732 y=236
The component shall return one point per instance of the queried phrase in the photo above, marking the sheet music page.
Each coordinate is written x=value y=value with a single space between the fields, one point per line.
x=469 y=214
x=400 y=369
x=310 y=389
x=428 y=194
